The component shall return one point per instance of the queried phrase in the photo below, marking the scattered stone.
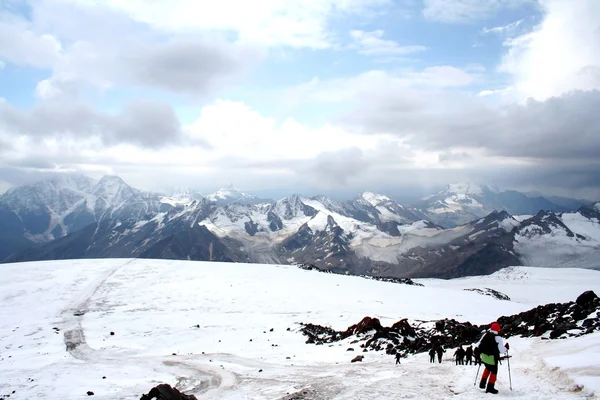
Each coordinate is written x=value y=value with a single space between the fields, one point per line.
x=288 y=329
x=490 y=292
x=260 y=370
x=357 y=358
x=271 y=330
x=103 y=377
x=350 y=349
x=166 y=392
x=90 y=393
x=174 y=354
x=197 y=325
x=112 y=334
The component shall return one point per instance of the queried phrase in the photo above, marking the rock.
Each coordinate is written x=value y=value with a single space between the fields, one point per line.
x=439 y=325
x=357 y=358
x=90 y=393
x=112 y=334
x=166 y=392
x=271 y=330
x=103 y=377
x=260 y=370
x=365 y=325
x=350 y=349
x=586 y=298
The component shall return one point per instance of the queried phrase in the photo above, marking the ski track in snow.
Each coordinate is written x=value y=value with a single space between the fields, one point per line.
x=102 y=294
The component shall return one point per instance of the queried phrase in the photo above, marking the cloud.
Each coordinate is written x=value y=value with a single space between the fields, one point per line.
x=461 y=11
x=559 y=128
x=73 y=42
x=293 y=23
x=395 y=86
x=507 y=30
x=561 y=54
x=22 y=46
x=143 y=123
x=371 y=43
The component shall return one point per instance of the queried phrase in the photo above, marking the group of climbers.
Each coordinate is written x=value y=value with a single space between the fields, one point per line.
x=487 y=352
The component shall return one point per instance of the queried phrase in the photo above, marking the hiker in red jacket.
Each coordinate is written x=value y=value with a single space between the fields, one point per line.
x=491 y=346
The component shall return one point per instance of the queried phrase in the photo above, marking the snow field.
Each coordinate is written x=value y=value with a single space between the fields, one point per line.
x=153 y=308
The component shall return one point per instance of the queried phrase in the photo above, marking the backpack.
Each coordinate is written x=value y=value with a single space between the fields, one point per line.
x=489 y=345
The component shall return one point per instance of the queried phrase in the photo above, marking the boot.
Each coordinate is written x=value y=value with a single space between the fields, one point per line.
x=491 y=389
x=482 y=383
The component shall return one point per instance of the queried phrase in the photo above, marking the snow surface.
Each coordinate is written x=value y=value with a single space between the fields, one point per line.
x=557 y=248
x=374 y=199
x=464 y=189
x=587 y=227
x=522 y=217
x=318 y=223
x=153 y=307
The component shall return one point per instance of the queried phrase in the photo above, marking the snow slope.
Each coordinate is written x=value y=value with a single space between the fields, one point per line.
x=56 y=318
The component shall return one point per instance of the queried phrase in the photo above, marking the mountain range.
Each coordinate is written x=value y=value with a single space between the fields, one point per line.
x=463 y=230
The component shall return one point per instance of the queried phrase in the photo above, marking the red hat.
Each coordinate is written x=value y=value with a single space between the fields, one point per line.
x=496 y=327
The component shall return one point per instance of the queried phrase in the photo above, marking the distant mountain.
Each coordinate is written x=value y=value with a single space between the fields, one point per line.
x=369 y=235
x=182 y=197
x=230 y=195
x=51 y=209
x=463 y=202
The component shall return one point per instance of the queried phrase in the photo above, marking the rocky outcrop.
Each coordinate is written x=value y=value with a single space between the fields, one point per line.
x=552 y=321
x=490 y=292
x=166 y=392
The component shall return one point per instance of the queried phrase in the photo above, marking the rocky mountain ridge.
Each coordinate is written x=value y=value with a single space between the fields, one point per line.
x=369 y=235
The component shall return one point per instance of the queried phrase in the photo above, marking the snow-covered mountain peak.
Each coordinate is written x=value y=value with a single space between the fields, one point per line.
x=374 y=198
x=112 y=190
x=185 y=197
x=597 y=206
x=464 y=189
x=187 y=193
x=77 y=183
x=229 y=195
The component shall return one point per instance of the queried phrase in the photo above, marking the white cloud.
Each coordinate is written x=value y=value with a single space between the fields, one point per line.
x=295 y=23
x=74 y=43
x=402 y=82
x=21 y=45
x=458 y=11
x=561 y=54
x=371 y=43
x=2 y=65
x=508 y=30
x=233 y=129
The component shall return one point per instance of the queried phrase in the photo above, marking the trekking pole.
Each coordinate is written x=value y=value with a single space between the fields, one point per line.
x=477 y=374
x=509 y=377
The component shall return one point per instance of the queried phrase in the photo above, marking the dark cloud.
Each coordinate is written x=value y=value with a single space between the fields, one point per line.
x=5 y=145
x=563 y=127
x=193 y=65
x=144 y=123
x=91 y=43
x=337 y=168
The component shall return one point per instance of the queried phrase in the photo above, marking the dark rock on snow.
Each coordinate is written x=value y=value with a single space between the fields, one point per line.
x=357 y=358
x=166 y=392
x=561 y=320
x=490 y=292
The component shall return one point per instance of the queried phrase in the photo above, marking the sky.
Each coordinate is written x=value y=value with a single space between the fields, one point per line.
x=303 y=96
